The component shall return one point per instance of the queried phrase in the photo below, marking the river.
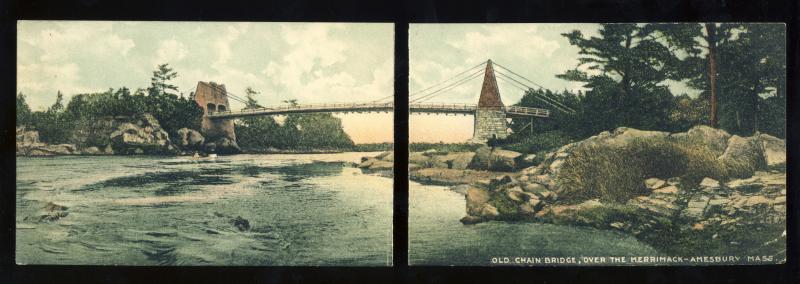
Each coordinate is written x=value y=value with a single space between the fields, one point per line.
x=437 y=238
x=306 y=210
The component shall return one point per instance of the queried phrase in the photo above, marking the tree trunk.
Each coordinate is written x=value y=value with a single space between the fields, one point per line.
x=755 y=101
x=711 y=38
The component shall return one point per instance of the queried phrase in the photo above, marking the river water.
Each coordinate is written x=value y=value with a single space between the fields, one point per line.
x=138 y=210
x=436 y=237
x=313 y=209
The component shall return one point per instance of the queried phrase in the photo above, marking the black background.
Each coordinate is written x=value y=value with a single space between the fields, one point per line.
x=401 y=14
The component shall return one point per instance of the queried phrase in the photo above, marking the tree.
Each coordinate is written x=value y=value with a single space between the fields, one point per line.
x=251 y=101
x=58 y=106
x=733 y=65
x=624 y=69
x=159 y=83
x=23 y=111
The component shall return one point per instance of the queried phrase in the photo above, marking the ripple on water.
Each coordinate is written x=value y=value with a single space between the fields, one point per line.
x=151 y=211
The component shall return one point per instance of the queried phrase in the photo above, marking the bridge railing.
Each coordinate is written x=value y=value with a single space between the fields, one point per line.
x=443 y=106
x=355 y=106
x=368 y=106
x=528 y=111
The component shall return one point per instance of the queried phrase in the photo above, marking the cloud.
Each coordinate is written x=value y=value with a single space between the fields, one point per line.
x=92 y=38
x=525 y=42
x=170 y=51
x=48 y=79
x=309 y=69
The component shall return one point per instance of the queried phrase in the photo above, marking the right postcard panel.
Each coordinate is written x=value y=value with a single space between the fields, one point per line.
x=597 y=144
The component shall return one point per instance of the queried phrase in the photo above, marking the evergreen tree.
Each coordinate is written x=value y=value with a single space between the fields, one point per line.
x=23 y=111
x=159 y=83
x=624 y=69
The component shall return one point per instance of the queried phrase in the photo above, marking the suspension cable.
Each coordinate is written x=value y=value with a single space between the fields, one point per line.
x=457 y=83
x=543 y=98
x=445 y=81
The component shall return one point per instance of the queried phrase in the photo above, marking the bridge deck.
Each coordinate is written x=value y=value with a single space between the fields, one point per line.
x=466 y=109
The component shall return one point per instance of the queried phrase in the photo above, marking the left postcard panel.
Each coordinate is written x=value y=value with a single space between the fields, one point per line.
x=198 y=143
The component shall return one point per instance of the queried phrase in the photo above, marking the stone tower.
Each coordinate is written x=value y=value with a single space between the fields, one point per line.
x=212 y=97
x=490 y=118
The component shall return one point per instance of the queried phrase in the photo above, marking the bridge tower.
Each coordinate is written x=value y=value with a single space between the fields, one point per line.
x=490 y=117
x=212 y=97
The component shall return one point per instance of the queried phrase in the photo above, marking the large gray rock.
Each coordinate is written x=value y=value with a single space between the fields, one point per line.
x=51 y=150
x=477 y=199
x=457 y=160
x=222 y=145
x=142 y=135
x=27 y=137
x=496 y=159
x=26 y=140
x=774 y=150
x=743 y=156
x=190 y=139
x=91 y=151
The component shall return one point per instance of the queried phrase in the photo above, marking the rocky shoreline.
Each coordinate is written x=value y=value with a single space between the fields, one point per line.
x=138 y=135
x=703 y=190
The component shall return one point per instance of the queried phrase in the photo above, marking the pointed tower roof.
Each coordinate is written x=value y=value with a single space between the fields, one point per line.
x=490 y=94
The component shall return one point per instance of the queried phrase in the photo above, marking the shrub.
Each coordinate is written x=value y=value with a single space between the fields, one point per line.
x=616 y=172
x=444 y=148
x=541 y=142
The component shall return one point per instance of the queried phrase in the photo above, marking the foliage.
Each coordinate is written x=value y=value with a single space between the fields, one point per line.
x=625 y=70
x=65 y=124
x=24 y=115
x=615 y=172
x=373 y=147
x=536 y=143
x=304 y=131
x=751 y=68
x=159 y=83
x=442 y=147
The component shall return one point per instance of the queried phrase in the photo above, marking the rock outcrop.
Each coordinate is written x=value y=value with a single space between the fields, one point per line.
x=222 y=145
x=121 y=135
x=28 y=144
x=495 y=159
x=189 y=139
x=143 y=135
x=752 y=198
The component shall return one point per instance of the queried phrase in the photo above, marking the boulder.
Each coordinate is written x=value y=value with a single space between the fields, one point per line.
x=774 y=150
x=386 y=156
x=714 y=138
x=190 y=139
x=240 y=223
x=141 y=135
x=457 y=160
x=444 y=176
x=417 y=158
x=743 y=156
x=380 y=165
x=496 y=159
x=709 y=182
x=51 y=150
x=91 y=151
x=654 y=183
x=477 y=199
x=26 y=138
x=222 y=145
x=530 y=158
x=534 y=187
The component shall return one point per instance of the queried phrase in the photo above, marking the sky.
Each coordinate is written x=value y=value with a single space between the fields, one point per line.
x=438 y=51
x=309 y=62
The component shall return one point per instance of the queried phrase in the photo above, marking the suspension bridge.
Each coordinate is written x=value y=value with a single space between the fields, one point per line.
x=490 y=113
